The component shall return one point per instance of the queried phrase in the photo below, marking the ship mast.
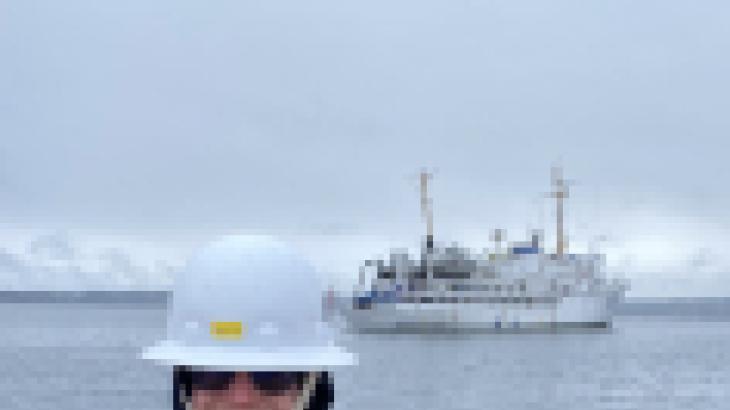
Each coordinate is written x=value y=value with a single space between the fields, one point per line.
x=426 y=209
x=560 y=192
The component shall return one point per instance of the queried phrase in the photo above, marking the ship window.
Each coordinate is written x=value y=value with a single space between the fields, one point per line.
x=362 y=303
x=427 y=299
x=439 y=274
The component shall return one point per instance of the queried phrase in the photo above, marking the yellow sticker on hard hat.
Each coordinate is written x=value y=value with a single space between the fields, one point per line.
x=226 y=330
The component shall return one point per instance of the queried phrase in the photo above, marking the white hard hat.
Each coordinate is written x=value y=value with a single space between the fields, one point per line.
x=248 y=303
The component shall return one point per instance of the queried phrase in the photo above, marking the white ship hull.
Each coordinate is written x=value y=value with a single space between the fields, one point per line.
x=566 y=312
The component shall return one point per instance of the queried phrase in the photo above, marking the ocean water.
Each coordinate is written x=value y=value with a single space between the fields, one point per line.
x=86 y=356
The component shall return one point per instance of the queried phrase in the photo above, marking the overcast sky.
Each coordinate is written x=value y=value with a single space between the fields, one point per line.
x=314 y=117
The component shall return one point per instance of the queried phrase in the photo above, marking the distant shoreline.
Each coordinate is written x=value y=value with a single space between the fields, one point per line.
x=638 y=306
x=707 y=307
x=85 y=296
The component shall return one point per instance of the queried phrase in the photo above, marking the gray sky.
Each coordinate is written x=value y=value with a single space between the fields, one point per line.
x=307 y=117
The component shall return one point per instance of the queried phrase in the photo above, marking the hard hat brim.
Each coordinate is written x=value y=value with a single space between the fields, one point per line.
x=249 y=359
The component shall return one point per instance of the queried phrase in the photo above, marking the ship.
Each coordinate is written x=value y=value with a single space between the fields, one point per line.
x=513 y=286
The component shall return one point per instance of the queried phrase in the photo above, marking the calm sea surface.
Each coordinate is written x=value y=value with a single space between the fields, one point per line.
x=85 y=356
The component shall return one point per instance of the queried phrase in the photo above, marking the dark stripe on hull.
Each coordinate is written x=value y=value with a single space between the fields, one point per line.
x=522 y=327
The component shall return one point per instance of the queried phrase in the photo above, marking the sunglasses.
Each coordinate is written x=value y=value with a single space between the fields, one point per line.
x=269 y=383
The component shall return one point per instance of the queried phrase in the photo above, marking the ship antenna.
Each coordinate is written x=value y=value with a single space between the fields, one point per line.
x=426 y=209
x=560 y=192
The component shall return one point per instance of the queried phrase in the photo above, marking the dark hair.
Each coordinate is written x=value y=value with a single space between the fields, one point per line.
x=182 y=387
x=324 y=393
x=322 y=396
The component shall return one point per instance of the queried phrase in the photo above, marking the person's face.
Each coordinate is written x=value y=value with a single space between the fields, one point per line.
x=245 y=391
